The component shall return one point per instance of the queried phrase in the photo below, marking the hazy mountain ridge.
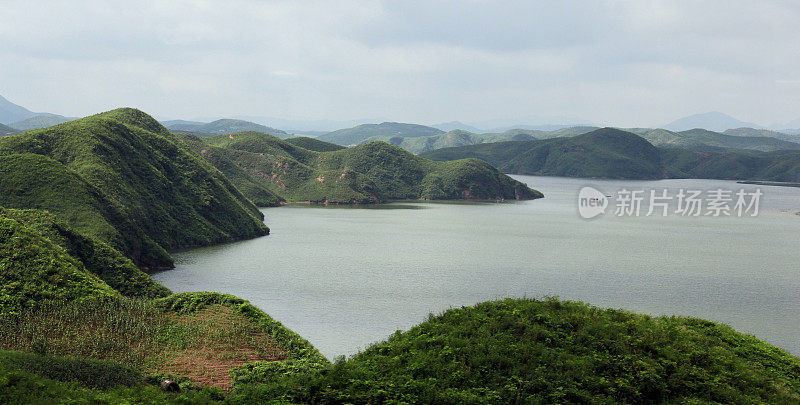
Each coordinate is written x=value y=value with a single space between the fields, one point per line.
x=613 y=153
x=222 y=126
x=358 y=134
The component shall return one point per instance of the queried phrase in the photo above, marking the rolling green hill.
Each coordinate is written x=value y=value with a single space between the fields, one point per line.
x=314 y=144
x=263 y=167
x=605 y=153
x=359 y=134
x=40 y=121
x=223 y=126
x=121 y=177
x=529 y=351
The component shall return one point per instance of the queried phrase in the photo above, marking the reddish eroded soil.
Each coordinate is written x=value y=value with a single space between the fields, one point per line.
x=226 y=341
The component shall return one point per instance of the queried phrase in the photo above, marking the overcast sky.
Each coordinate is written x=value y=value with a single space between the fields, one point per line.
x=637 y=63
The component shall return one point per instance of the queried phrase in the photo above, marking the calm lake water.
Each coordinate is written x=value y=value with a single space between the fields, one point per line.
x=347 y=277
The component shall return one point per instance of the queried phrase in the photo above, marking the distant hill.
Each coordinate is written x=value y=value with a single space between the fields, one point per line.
x=10 y=112
x=453 y=125
x=356 y=135
x=712 y=121
x=40 y=121
x=451 y=139
x=763 y=133
x=605 y=153
x=612 y=153
x=6 y=130
x=313 y=144
x=122 y=178
x=702 y=137
x=263 y=166
x=222 y=126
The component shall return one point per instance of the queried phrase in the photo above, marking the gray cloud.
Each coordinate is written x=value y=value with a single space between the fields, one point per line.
x=615 y=62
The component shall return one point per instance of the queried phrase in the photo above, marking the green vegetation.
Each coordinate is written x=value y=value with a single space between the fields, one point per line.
x=121 y=177
x=264 y=167
x=34 y=269
x=40 y=121
x=223 y=126
x=529 y=351
x=314 y=144
x=607 y=152
x=96 y=257
x=359 y=134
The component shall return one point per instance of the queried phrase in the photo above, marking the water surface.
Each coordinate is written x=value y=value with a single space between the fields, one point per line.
x=347 y=277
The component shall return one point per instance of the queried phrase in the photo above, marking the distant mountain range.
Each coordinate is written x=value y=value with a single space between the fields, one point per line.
x=358 y=134
x=618 y=154
x=712 y=121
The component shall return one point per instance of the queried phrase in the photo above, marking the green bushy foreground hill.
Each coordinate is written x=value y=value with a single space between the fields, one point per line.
x=122 y=177
x=269 y=170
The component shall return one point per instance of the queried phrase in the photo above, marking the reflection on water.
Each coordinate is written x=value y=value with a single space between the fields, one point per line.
x=345 y=278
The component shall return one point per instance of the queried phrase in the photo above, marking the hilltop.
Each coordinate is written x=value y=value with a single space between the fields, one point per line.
x=122 y=178
x=701 y=137
x=356 y=135
x=269 y=170
x=221 y=126
x=314 y=144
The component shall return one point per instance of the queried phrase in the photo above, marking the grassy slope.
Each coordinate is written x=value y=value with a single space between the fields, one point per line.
x=98 y=258
x=127 y=178
x=356 y=135
x=35 y=269
x=529 y=351
x=314 y=144
x=368 y=173
x=762 y=133
x=605 y=152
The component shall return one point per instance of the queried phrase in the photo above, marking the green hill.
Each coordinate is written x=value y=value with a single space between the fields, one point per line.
x=223 y=126
x=314 y=144
x=121 y=177
x=530 y=351
x=40 y=121
x=606 y=153
x=359 y=134
x=263 y=166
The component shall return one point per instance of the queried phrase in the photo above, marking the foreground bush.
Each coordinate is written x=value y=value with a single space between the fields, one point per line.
x=529 y=351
